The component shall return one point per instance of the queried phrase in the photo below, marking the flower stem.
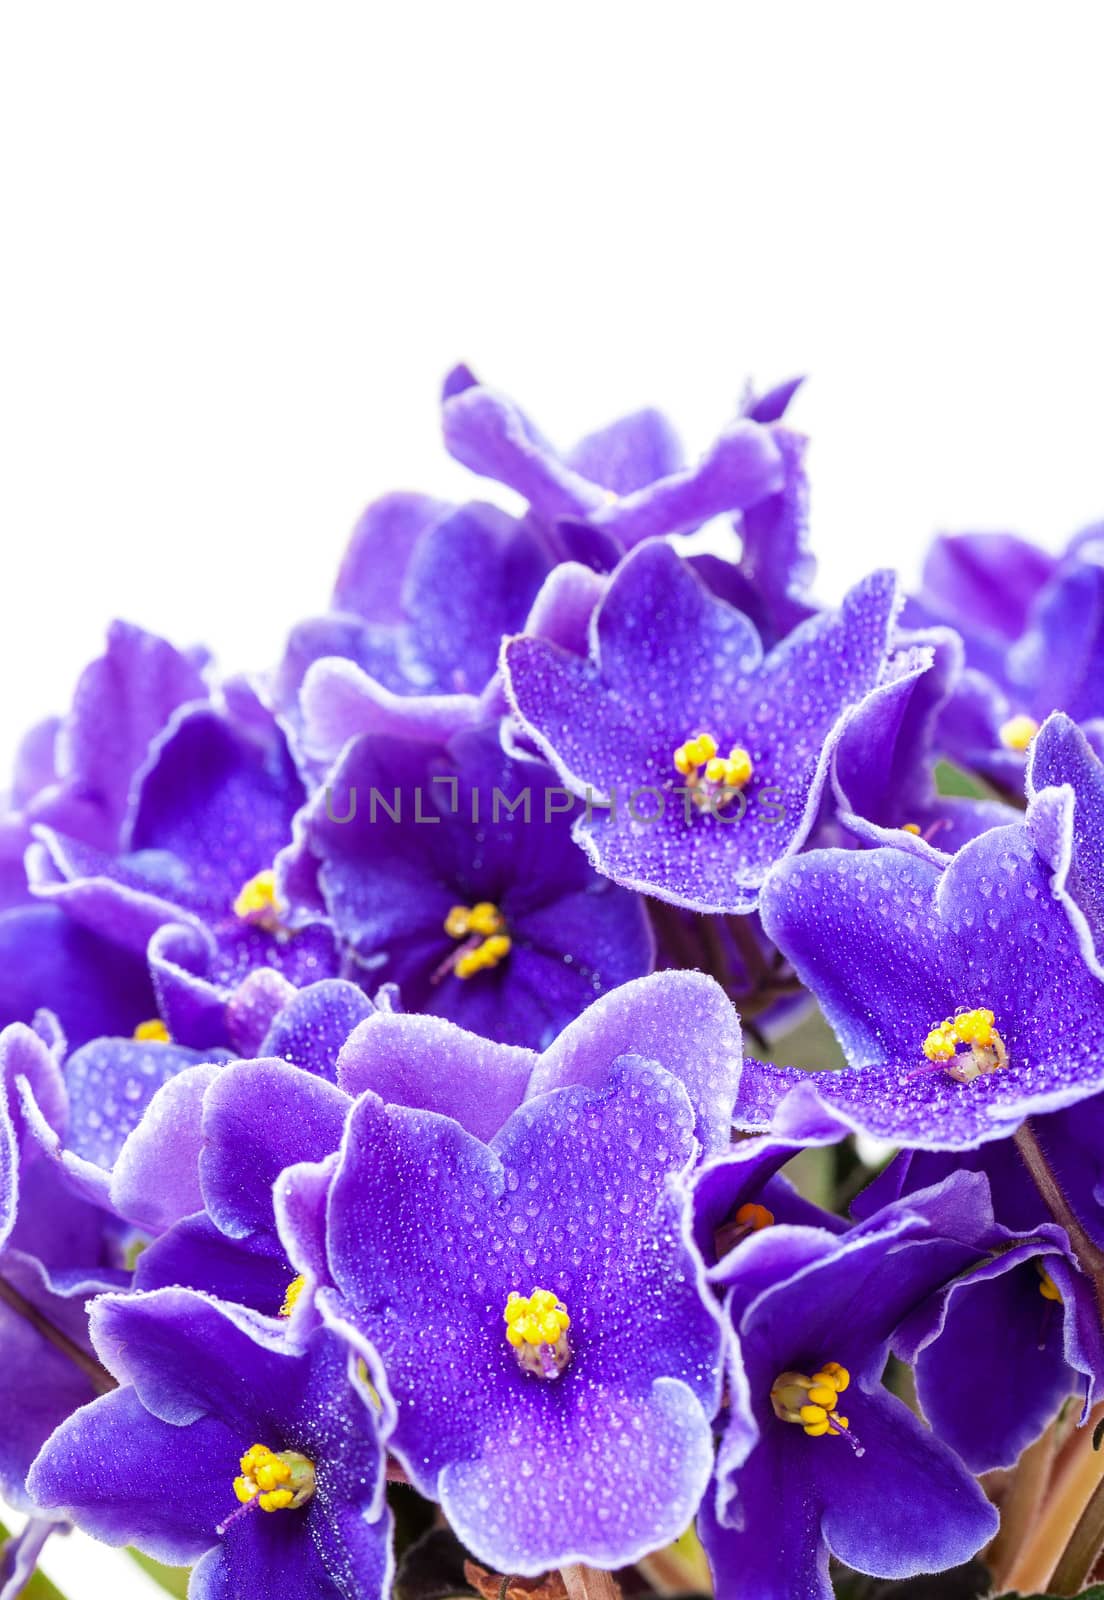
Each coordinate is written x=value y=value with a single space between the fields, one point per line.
x=1077 y=1473
x=589 y=1583
x=1020 y=1507
x=1085 y=1544
x=1090 y=1258
x=98 y=1376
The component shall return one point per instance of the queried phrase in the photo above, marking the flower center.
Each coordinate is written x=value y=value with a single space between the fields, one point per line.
x=482 y=928
x=1018 y=732
x=967 y=1045
x=152 y=1032
x=712 y=779
x=536 y=1330
x=749 y=1218
x=256 y=901
x=1047 y=1286
x=813 y=1402
x=291 y=1295
x=274 y=1480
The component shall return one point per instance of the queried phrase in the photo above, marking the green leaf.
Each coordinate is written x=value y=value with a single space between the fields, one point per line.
x=174 y=1580
x=950 y=779
x=40 y=1587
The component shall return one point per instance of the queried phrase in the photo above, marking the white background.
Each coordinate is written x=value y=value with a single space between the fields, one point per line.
x=242 y=243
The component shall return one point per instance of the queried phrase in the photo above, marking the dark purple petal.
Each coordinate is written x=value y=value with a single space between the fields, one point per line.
x=907 y=1505
x=628 y=454
x=258 y=1118
x=129 y=1478
x=964 y=1378
x=219 y=800
x=92 y=986
x=369 y=584
x=775 y=561
x=489 y=435
x=779 y=1549
x=403 y=1060
x=193 y=1254
x=1067 y=827
x=156 y=1177
x=985 y=583
x=423 y=1216
x=669 y=659
x=122 y=703
x=743 y=467
x=1058 y=663
x=111 y=1083
x=39 y=1385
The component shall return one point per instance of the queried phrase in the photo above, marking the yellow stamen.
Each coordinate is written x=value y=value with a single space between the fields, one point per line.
x=256 y=900
x=276 y=1480
x=1018 y=732
x=484 y=957
x=754 y=1217
x=698 y=760
x=485 y=926
x=536 y=1330
x=812 y=1402
x=152 y=1032
x=738 y=768
x=910 y=827
x=975 y=1029
x=1047 y=1286
x=291 y=1295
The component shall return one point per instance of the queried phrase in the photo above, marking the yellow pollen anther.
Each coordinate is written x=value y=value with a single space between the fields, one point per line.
x=754 y=1216
x=1047 y=1286
x=698 y=760
x=484 y=957
x=276 y=1480
x=813 y=1402
x=1018 y=732
x=748 y=1218
x=484 y=927
x=536 y=1330
x=975 y=1029
x=152 y=1032
x=256 y=900
x=291 y=1295
x=910 y=827
x=738 y=768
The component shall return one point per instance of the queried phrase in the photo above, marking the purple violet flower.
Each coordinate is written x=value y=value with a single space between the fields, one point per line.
x=452 y=873
x=882 y=770
x=1049 y=656
x=228 y=1447
x=1065 y=784
x=701 y=761
x=536 y=1309
x=195 y=882
x=812 y=1319
x=1033 y=1290
x=959 y=995
x=55 y=1250
x=416 y=655
x=621 y=485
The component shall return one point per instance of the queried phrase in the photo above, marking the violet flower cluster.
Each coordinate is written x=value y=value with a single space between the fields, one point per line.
x=406 y=1182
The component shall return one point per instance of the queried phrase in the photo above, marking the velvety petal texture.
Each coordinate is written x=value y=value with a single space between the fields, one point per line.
x=891 y=945
x=154 y=1462
x=406 y=838
x=668 y=662
x=428 y=1231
